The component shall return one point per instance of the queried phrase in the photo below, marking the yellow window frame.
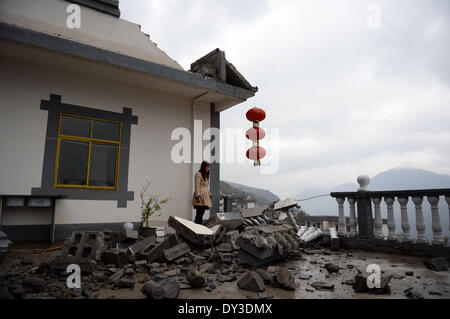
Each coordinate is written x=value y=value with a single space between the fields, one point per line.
x=89 y=140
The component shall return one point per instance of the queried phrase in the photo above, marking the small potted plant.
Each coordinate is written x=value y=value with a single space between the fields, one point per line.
x=149 y=207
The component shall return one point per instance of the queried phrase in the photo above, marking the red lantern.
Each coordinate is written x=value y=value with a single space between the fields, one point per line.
x=255 y=134
x=255 y=153
x=255 y=115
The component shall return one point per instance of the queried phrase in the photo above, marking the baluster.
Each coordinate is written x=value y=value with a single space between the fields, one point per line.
x=378 y=226
x=405 y=222
x=342 y=228
x=420 y=225
x=447 y=199
x=391 y=220
x=435 y=220
x=351 y=201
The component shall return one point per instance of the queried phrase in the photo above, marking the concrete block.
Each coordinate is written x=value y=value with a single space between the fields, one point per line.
x=175 y=252
x=191 y=232
x=251 y=281
x=113 y=257
x=154 y=253
x=229 y=220
x=152 y=290
x=251 y=260
x=140 y=245
x=195 y=278
x=283 y=279
x=84 y=245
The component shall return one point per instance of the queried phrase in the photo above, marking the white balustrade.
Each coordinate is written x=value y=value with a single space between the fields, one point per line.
x=405 y=221
x=435 y=220
x=378 y=225
x=352 y=201
x=342 y=228
x=391 y=220
x=420 y=225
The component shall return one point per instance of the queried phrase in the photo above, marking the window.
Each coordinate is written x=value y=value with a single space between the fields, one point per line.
x=88 y=153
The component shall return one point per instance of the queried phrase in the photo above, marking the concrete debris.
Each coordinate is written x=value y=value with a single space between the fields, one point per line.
x=332 y=268
x=175 y=252
x=114 y=257
x=251 y=281
x=231 y=221
x=301 y=231
x=283 y=279
x=437 y=264
x=360 y=283
x=321 y=285
x=195 y=278
x=141 y=245
x=194 y=233
x=254 y=211
x=5 y=243
x=413 y=294
x=153 y=253
x=335 y=244
x=153 y=290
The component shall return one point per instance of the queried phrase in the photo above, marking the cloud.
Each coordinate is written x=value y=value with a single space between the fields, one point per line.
x=347 y=99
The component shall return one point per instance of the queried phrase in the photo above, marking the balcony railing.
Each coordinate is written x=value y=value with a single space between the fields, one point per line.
x=365 y=226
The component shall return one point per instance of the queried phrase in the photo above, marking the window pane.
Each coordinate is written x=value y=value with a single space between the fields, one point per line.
x=103 y=165
x=106 y=131
x=73 y=160
x=75 y=126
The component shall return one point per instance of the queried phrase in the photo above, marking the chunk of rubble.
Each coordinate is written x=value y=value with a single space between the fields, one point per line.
x=195 y=278
x=162 y=287
x=413 y=294
x=332 y=268
x=81 y=248
x=191 y=232
x=283 y=279
x=360 y=283
x=172 y=253
x=321 y=285
x=153 y=253
x=231 y=221
x=141 y=245
x=437 y=264
x=251 y=281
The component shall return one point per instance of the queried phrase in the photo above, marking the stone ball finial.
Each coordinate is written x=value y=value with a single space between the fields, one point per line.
x=363 y=181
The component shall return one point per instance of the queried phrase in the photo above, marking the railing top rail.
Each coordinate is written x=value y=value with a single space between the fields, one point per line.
x=394 y=193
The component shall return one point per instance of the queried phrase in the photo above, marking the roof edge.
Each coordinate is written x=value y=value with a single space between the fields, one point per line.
x=65 y=46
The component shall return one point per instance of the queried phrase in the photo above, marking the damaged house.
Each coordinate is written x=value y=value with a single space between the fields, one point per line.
x=87 y=116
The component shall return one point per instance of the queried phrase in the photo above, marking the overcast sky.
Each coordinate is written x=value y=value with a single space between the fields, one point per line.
x=347 y=99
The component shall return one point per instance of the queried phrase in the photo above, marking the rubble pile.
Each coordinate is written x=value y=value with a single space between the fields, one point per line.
x=4 y=245
x=242 y=248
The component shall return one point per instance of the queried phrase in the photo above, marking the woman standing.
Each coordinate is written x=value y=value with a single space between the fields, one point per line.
x=202 y=198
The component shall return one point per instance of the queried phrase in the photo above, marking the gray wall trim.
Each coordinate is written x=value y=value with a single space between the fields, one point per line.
x=54 y=108
x=105 y=6
x=215 y=162
x=24 y=233
x=29 y=233
x=43 y=40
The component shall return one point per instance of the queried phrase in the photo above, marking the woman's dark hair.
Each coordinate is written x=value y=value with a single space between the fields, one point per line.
x=203 y=171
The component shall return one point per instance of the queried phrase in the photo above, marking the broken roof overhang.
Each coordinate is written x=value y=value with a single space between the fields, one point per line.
x=106 y=6
x=218 y=91
x=216 y=66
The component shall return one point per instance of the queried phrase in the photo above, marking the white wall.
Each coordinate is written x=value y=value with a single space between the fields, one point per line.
x=23 y=128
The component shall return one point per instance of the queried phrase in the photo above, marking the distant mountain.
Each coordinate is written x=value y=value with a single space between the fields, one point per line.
x=394 y=179
x=262 y=196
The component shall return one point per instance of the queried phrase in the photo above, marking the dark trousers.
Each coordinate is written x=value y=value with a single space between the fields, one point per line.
x=199 y=211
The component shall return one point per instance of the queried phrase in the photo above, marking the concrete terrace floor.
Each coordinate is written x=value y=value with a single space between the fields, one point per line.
x=424 y=281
